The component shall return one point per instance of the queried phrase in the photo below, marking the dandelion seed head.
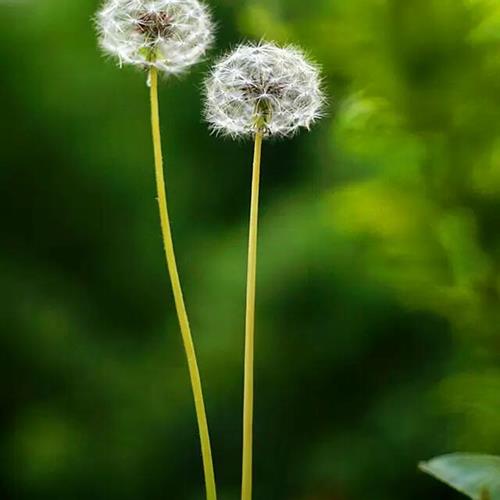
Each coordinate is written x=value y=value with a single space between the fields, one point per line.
x=170 y=35
x=263 y=87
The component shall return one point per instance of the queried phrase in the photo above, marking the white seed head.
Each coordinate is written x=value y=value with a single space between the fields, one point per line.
x=171 y=35
x=263 y=87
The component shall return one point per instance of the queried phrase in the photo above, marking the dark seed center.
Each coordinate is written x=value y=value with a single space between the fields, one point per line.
x=261 y=93
x=255 y=91
x=155 y=24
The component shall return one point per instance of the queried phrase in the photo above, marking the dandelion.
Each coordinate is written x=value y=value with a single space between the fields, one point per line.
x=263 y=88
x=167 y=36
x=260 y=91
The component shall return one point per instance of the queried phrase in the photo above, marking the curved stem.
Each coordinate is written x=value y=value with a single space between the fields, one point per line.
x=246 y=484
x=177 y=291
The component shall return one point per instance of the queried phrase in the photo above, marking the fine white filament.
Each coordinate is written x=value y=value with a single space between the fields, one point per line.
x=263 y=87
x=170 y=35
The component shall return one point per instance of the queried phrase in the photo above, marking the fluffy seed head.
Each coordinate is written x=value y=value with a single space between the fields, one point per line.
x=263 y=87
x=171 y=35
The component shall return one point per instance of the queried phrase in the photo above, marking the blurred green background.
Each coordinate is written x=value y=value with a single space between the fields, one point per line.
x=378 y=340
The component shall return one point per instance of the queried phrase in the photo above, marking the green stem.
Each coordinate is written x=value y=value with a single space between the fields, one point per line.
x=177 y=291
x=485 y=494
x=246 y=483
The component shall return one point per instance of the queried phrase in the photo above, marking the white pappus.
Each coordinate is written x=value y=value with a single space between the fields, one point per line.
x=170 y=35
x=263 y=87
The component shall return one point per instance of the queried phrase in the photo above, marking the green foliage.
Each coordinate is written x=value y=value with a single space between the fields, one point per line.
x=477 y=476
x=379 y=263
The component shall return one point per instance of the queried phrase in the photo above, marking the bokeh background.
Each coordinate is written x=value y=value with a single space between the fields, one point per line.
x=378 y=337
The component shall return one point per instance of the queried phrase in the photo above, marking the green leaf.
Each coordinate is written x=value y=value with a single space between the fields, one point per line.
x=477 y=476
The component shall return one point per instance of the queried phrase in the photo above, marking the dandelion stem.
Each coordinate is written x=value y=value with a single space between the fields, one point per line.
x=246 y=484
x=178 y=296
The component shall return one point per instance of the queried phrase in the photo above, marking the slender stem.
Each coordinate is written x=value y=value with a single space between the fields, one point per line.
x=246 y=484
x=178 y=297
x=485 y=494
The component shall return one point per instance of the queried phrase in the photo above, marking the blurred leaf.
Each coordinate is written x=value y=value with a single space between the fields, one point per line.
x=477 y=476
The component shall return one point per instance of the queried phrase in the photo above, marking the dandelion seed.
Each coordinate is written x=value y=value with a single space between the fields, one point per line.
x=263 y=87
x=170 y=35
x=259 y=91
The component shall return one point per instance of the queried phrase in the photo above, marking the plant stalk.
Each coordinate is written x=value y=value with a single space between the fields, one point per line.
x=248 y=396
x=177 y=292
